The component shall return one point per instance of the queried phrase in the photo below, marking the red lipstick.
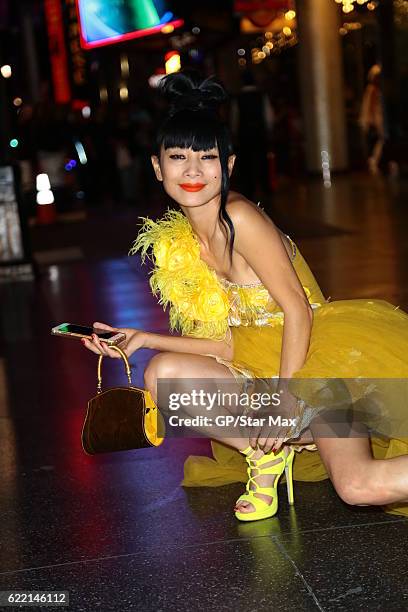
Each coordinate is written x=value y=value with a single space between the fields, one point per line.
x=192 y=186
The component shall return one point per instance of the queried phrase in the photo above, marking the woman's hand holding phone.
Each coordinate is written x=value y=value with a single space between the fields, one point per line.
x=135 y=339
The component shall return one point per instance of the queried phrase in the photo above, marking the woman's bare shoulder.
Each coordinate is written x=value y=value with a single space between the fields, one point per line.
x=246 y=214
x=240 y=208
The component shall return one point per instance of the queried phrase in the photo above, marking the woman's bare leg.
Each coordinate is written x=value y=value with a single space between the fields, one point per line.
x=185 y=366
x=358 y=478
x=167 y=365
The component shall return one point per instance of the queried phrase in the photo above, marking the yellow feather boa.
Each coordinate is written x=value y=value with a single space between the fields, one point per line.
x=198 y=304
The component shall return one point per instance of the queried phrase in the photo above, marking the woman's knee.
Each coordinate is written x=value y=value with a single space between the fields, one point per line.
x=160 y=365
x=359 y=489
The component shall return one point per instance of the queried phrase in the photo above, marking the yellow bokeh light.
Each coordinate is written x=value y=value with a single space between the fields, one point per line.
x=103 y=94
x=173 y=63
x=123 y=93
x=124 y=65
x=287 y=31
x=167 y=29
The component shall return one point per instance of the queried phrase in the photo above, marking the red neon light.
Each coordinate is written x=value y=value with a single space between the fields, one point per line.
x=58 y=53
x=177 y=23
x=170 y=54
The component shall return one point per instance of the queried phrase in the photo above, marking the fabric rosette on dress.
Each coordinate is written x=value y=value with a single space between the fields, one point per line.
x=198 y=305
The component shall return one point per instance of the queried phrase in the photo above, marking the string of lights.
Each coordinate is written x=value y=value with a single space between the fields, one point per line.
x=348 y=6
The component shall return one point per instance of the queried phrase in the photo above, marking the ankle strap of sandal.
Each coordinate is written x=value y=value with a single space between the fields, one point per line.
x=248 y=452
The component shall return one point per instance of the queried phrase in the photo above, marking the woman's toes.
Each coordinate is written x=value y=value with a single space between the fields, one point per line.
x=245 y=507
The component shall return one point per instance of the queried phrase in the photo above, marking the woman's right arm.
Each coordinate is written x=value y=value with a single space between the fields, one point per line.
x=137 y=339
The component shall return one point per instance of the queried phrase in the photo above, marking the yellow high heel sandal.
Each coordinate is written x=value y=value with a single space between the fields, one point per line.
x=264 y=510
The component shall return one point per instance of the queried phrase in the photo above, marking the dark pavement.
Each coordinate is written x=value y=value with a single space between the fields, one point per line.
x=117 y=531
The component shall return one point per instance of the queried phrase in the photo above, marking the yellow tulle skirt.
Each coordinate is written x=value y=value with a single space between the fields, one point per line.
x=351 y=341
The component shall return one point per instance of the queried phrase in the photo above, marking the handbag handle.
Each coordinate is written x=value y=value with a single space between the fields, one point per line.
x=125 y=360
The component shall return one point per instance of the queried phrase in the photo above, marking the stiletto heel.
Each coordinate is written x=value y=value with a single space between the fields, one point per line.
x=262 y=508
x=289 y=477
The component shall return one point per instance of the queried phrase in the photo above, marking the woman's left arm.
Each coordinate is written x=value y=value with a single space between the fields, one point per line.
x=258 y=241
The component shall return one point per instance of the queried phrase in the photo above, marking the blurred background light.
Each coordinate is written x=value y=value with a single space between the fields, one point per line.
x=167 y=29
x=81 y=152
x=326 y=169
x=86 y=112
x=45 y=197
x=103 y=94
x=123 y=93
x=6 y=71
x=349 y=5
x=70 y=165
x=155 y=79
x=108 y=22
x=124 y=65
x=172 y=62
x=42 y=182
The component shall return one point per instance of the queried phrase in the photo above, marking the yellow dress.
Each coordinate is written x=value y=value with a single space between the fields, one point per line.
x=361 y=343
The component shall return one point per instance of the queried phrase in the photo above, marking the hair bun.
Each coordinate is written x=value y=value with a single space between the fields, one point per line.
x=187 y=91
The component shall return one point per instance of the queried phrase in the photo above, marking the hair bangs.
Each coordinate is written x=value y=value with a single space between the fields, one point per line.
x=189 y=130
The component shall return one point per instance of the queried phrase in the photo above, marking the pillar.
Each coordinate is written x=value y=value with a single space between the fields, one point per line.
x=321 y=84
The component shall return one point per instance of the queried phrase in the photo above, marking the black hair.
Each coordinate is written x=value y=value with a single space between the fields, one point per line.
x=193 y=122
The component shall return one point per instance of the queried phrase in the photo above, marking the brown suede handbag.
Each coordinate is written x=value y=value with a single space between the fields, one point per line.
x=121 y=418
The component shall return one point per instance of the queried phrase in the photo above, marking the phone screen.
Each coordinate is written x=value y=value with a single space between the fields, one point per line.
x=86 y=331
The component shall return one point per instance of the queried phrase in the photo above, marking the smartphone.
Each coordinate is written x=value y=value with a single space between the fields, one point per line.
x=70 y=330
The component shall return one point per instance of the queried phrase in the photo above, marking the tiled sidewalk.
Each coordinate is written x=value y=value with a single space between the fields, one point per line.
x=117 y=531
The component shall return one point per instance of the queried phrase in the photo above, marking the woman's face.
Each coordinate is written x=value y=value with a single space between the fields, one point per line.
x=191 y=178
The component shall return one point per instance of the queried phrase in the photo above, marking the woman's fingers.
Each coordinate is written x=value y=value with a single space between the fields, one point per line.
x=98 y=325
x=99 y=345
x=270 y=440
x=90 y=346
x=254 y=441
x=99 y=348
x=268 y=444
x=104 y=348
x=278 y=444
